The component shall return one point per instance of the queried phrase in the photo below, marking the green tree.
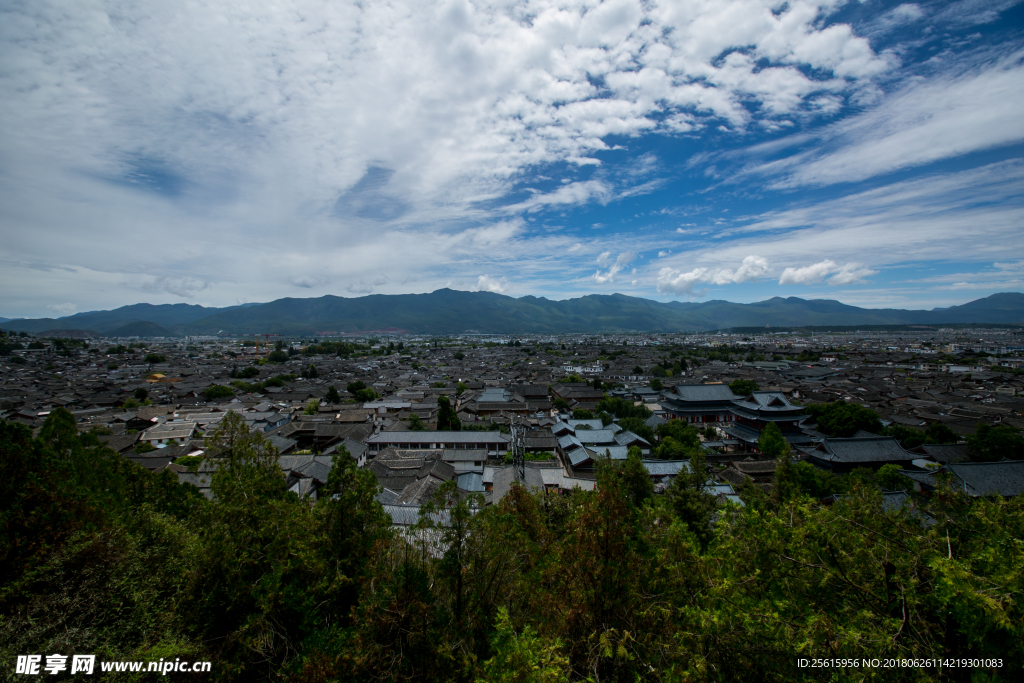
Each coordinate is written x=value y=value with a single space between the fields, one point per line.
x=523 y=657
x=155 y=358
x=353 y=387
x=582 y=414
x=415 y=423
x=637 y=485
x=447 y=420
x=842 y=419
x=890 y=479
x=332 y=397
x=912 y=438
x=772 y=443
x=691 y=503
x=312 y=407
x=217 y=391
x=744 y=387
x=657 y=385
x=458 y=512
x=459 y=355
x=683 y=433
x=621 y=408
x=990 y=444
x=353 y=523
x=366 y=395
x=141 y=393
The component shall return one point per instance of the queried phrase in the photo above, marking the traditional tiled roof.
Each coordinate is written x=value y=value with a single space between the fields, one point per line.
x=439 y=438
x=946 y=453
x=1004 y=478
x=703 y=392
x=863 y=450
x=663 y=468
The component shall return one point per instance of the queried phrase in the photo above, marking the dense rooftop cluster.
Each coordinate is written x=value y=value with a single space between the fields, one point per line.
x=384 y=399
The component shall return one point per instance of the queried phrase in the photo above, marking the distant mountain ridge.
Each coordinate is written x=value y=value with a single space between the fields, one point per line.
x=448 y=311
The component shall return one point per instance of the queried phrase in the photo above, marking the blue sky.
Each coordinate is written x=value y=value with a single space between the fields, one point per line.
x=222 y=152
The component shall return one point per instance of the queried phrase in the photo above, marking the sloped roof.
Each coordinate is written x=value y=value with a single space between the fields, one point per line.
x=626 y=437
x=943 y=452
x=854 y=450
x=704 y=392
x=596 y=436
x=471 y=481
x=439 y=437
x=593 y=424
x=505 y=477
x=418 y=492
x=1004 y=478
x=662 y=468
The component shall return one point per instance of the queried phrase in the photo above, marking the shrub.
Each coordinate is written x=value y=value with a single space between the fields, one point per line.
x=217 y=391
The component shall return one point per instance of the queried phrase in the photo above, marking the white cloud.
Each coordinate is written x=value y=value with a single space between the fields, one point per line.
x=851 y=273
x=393 y=110
x=183 y=287
x=624 y=259
x=361 y=287
x=486 y=283
x=672 y=281
x=808 y=274
x=752 y=268
x=929 y=120
x=306 y=281
x=63 y=309
x=848 y=274
x=913 y=221
x=567 y=195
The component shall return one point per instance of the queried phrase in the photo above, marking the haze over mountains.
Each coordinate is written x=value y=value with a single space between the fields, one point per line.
x=447 y=311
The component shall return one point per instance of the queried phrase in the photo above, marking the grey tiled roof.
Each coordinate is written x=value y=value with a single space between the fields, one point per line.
x=438 y=437
x=704 y=392
x=593 y=424
x=505 y=477
x=1004 y=478
x=471 y=481
x=626 y=437
x=947 y=452
x=596 y=436
x=661 y=468
x=418 y=492
x=875 y=449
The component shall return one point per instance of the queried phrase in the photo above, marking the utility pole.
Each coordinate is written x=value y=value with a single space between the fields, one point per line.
x=518 y=451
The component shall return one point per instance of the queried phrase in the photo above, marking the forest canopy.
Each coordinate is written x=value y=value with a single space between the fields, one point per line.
x=101 y=556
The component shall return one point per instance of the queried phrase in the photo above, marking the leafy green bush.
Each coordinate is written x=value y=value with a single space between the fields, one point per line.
x=217 y=391
x=743 y=387
x=842 y=419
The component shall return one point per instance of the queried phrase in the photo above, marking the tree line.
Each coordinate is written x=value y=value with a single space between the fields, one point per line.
x=99 y=556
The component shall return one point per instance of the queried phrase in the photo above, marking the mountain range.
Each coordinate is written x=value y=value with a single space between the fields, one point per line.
x=448 y=311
